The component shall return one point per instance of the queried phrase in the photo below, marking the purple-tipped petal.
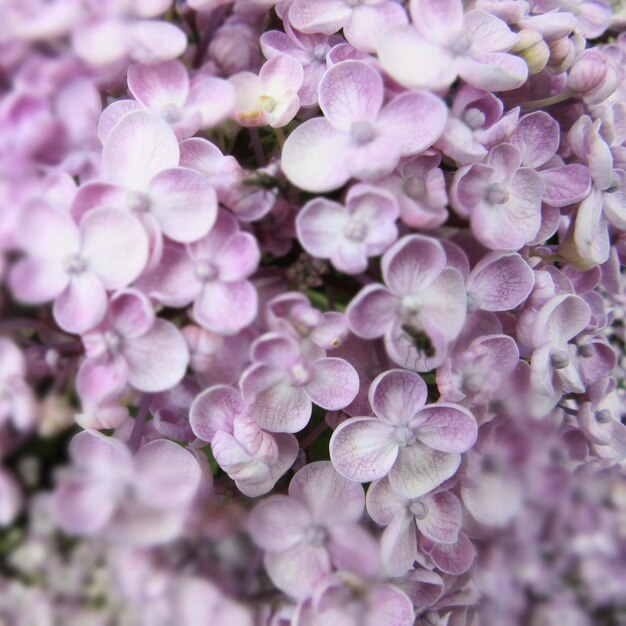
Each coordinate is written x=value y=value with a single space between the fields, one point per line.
x=443 y=519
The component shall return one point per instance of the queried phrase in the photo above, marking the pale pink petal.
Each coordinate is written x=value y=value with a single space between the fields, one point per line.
x=368 y=22
x=100 y=41
x=443 y=518
x=35 y=281
x=383 y=503
x=420 y=469
x=436 y=19
x=226 y=308
x=281 y=74
x=278 y=523
x=560 y=319
x=488 y=32
x=452 y=558
x=99 y=382
x=350 y=91
x=537 y=138
x=275 y=349
x=184 y=204
x=493 y=71
x=495 y=500
x=113 y=114
x=162 y=87
x=213 y=98
x=446 y=427
x=319 y=16
x=398 y=545
x=157 y=360
x=239 y=257
x=412 y=264
x=396 y=396
x=334 y=383
x=315 y=156
x=139 y=146
x=398 y=120
x=151 y=41
x=214 y=410
x=82 y=305
x=414 y=62
x=363 y=449
x=389 y=606
x=329 y=497
x=500 y=282
x=319 y=225
x=352 y=548
x=114 y=246
x=371 y=311
x=566 y=185
x=298 y=571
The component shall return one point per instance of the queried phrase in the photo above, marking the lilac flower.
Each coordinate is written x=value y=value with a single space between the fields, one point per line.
x=417 y=446
x=140 y=173
x=313 y=530
x=75 y=265
x=130 y=346
x=362 y=22
x=436 y=516
x=537 y=138
x=421 y=295
x=213 y=274
x=271 y=98
x=349 y=234
x=358 y=136
x=558 y=321
x=419 y=187
x=443 y=43
x=164 y=88
x=283 y=382
x=141 y=500
x=501 y=198
x=254 y=459
x=309 y=50
x=17 y=401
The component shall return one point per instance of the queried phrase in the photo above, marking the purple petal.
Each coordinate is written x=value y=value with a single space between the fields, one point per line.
x=315 y=156
x=98 y=382
x=566 y=185
x=113 y=114
x=383 y=503
x=396 y=396
x=215 y=409
x=313 y=16
x=452 y=558
x=368 y=22
x=158 y=359
x=278 y=523
x=159 y=86
x=353 y=548
x=334 y=383
x=320 y=225
x=131 y=313
x=82 y=305
x=139 y=146
x=239 y=257
x=35 y=281
x=167 y=475
x=226 y=308
x=537 y=138
x=363 y=449
x=493 y=71
x=329 y=497
x=443 y=518
x=371 y=311
x=560 y=319
x=420 y=469
x=398 y=545
x=446 y=427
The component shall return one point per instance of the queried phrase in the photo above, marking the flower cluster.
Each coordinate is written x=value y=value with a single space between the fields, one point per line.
x=312 y=312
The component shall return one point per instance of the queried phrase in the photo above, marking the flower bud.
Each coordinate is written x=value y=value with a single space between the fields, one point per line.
x=593 y=77
x=533 y=49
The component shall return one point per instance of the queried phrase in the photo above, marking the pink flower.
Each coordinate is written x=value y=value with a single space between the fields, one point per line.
x=417 y=446
x=271 y=98
x=362 y=22
x=436 y=517
x=76 y=265
x=254 y=459
x=213 y=274
x=164 y=89
x=419 y=310
x=443 y=43
x=501 y=198
x=420 y=189
x=283 y=382
x=349 y=234
x=358 y=136
x=140 y=500
x=313 y=530
x=131 y=346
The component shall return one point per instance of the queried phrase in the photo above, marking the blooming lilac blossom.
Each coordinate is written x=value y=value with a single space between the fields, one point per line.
x=417 y=446
x=349 y=234
x=305 y=536
x=254 y=459
x=358 y=136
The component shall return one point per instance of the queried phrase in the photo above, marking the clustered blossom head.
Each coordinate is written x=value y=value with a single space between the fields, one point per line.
x=313 y=312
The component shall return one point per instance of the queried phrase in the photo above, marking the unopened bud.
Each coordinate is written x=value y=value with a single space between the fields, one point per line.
x=533 y=49
x=593 y=77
